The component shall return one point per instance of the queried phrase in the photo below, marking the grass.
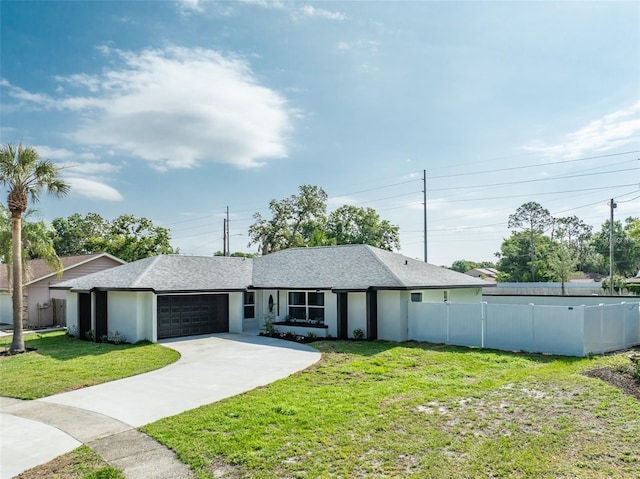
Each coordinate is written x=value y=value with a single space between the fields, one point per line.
x=82 y=463
x=62 y=363
x=377 y=409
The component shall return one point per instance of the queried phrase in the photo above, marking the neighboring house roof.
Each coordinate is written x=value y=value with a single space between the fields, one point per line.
x=487 y=272
x=39 y=269
x=347 y=267
x=170 y=273
x=634 y=280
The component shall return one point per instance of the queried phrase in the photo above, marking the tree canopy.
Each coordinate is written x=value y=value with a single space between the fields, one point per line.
x=353 y=225
x=127 y=237
x=541 y=246
x=463 y=265
x=302 y=220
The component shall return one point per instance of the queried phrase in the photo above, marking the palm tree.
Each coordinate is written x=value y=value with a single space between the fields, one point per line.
x=25 y=175
x=37 y=241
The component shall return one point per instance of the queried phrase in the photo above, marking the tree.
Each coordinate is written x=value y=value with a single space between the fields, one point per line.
x=301 y=220
x=626 y=250
x=37 y=240
x=534 y=220
x=562 y=264
x=294 y=221
x=514 y=256
x=353 y=225
x=619 y=283
x=26 y=176
x=130 y=239
x=576 y=234
x=79 y=234
x=127 y=237
x=236 y=254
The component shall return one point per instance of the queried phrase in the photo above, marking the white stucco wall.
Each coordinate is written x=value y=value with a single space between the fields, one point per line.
x=331 y=313
x=132 y=314
x=236 y=312
x=72 y=312
x=356 y=313
x=6 y=308
x=393 y=315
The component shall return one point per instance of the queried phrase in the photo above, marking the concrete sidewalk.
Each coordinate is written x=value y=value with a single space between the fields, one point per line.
x=210 y=368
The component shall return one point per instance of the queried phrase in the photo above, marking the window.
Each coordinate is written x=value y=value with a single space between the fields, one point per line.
x=416 y=297
x=306 y=306
x=446 y=295
x=249 y=305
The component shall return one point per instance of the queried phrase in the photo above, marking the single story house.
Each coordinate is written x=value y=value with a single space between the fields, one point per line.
x=489 y=274
x=39 y=297
x=333 y=290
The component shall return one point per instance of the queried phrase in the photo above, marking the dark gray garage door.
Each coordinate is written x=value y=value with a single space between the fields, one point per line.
x=193 y=314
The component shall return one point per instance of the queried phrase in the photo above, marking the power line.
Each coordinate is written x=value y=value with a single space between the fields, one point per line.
x=377 y=188
x=540 y=194
x=535 y=165
x=535 y=180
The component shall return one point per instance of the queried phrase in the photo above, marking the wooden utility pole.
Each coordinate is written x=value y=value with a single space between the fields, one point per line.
x=424 y=191
x=224 y=237
x=228 y=243
x=612 y=206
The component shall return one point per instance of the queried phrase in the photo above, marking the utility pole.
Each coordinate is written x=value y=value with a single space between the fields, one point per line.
x=424 y=191
x=224 y=237
x=612 y=206
x=227 y=235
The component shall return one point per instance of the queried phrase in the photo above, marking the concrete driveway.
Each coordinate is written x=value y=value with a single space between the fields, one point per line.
x=210 y=368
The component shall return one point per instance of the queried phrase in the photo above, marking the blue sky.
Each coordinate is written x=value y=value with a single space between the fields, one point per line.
x=176 y=110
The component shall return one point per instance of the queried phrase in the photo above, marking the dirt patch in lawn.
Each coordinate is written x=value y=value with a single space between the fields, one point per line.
x=623 y=380
x=76 y=464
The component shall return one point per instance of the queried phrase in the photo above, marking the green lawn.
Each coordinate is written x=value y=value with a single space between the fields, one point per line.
x=62 y=363
x=416 y=410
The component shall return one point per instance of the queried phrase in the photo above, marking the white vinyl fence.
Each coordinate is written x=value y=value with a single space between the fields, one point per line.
x=565 y=330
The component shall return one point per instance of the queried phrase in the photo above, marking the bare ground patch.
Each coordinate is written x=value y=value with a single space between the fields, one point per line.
x=621 y=379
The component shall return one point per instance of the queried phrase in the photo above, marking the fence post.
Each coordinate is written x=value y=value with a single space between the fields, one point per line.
x=483 y=312
x=600 y=345
x=448 y=316
x=584 y=329
x=533 y=327
x=624 y=324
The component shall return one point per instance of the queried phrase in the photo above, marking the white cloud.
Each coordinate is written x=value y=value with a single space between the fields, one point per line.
x=93 y=189
x=309 y=11
x=90 y=169
x=612 y=131
x=86 y=178
x=50 y=153
x=273 y=4
x=80 y=80
x=190 y=5
x=176 y=107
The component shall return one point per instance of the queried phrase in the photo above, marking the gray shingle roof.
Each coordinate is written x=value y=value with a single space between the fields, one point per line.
x=347 y=267
x=171 y=273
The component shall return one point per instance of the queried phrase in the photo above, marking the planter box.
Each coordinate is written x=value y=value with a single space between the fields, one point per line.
x=301 y=329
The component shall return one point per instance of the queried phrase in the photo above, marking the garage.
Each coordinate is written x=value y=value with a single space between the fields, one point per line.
x=188 y=315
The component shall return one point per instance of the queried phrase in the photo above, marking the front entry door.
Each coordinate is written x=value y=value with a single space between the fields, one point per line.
x=271 y=304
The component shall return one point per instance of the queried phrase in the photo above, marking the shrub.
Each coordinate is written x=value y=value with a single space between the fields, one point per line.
x=358 y=333
x=635 y=359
